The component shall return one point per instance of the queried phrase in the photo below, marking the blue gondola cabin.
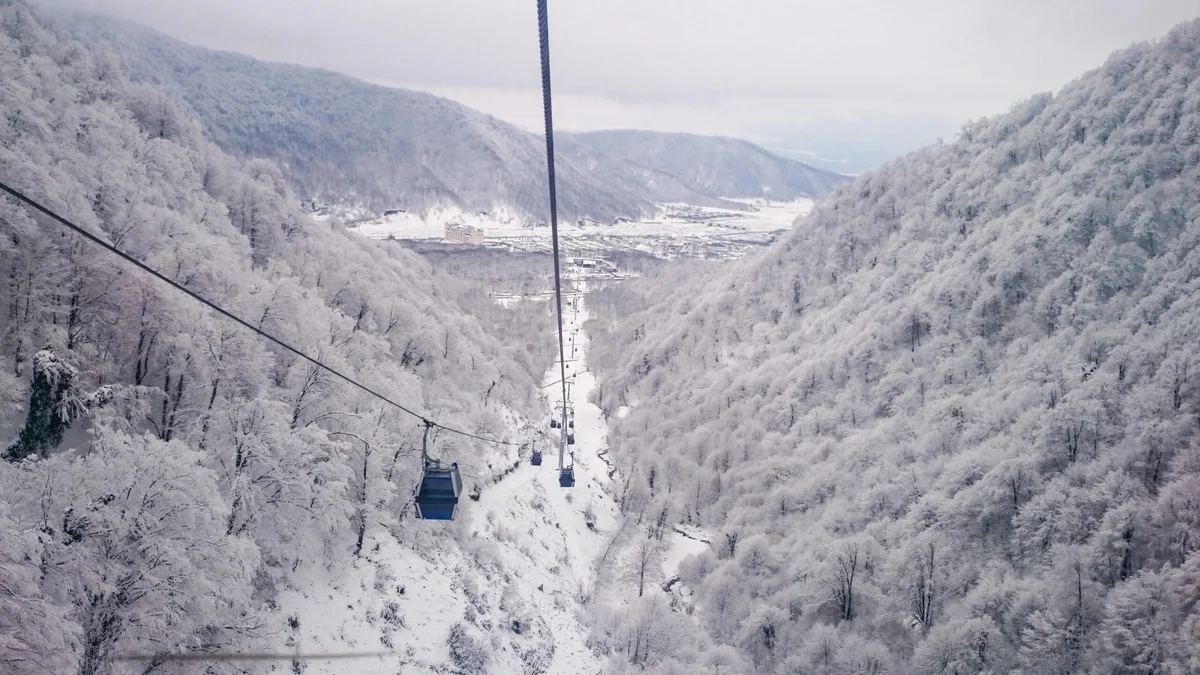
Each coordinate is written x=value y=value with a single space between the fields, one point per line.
x=437 y=495
x=566 y=477
x=536 y=459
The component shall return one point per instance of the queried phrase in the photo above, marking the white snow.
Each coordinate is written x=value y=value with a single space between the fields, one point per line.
x=673 y=219
x=524 y=551
x=432 y=223
x=683 y=542
x=340 y=611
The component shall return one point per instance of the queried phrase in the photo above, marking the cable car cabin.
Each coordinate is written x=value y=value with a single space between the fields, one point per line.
x=536 y=459
x=555 y=424
x=570 y=439
x=437 y=497
x=566 y=477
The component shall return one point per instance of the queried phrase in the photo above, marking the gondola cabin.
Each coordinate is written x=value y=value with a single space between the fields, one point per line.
x=570 y=439
x=437 y=495
x=536 y=459
x=566 y=477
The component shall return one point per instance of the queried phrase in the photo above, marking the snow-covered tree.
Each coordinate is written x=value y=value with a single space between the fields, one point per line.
x=958 y=399
x=170 y=471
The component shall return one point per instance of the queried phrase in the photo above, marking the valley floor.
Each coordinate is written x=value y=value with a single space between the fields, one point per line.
x=679 y=230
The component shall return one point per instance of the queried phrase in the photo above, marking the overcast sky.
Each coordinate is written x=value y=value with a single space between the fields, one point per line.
x=853 y=80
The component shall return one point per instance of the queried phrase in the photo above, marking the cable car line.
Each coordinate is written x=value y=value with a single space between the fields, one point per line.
x=548 y=114
x=233 y=317
x=566 y=476
x=250 y=656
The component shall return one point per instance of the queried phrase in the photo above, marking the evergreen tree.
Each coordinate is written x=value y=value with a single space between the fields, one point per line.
x=49 y=414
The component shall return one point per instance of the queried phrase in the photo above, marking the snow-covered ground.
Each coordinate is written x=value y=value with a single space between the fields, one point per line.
x=683 y=542
x=674 y=219
x=511 y=571
x=432 y=224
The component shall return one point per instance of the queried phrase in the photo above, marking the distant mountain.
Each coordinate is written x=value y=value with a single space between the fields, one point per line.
x=341 y=139
x=722 y=167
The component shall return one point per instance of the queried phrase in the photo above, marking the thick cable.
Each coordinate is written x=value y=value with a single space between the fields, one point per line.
x=232 y=317
x=544 y=44
x=165 y=657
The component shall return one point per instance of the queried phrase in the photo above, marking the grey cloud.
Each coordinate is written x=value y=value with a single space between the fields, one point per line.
x=944 y=58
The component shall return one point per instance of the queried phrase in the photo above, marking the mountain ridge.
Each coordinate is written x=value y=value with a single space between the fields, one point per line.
x=775 y=177
x=342 y=139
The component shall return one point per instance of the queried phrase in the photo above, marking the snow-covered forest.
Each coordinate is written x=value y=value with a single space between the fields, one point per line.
x=951 y=422
x=167 y=473
x=500 y=271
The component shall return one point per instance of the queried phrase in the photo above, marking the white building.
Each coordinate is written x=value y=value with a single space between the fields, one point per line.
x=457 y=233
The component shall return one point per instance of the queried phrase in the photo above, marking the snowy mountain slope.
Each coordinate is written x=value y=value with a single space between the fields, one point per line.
x=508 y=579
x=342 y=139
x=658 y=186
x=725 y=167
x=950 y=422
x=522 y=581
x=168 y=481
